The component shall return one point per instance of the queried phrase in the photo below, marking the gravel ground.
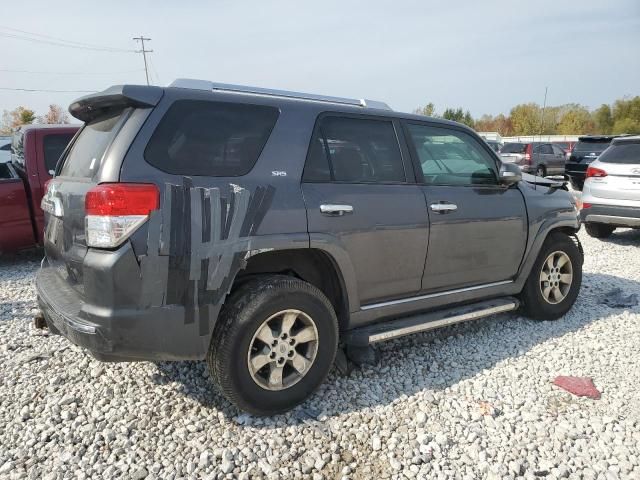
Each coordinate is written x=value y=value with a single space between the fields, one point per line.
x=470 y=401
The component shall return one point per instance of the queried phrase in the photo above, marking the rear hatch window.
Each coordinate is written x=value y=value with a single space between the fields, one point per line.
x=591 y=146
x=627 y=152
x=86 y=154
x=216 y=139
x=514 y=148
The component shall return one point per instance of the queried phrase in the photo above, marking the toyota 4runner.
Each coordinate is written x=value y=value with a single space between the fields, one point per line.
x=259 y=229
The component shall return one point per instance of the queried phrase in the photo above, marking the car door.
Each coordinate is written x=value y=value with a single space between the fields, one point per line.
x=361 y=197
x=478 y=228
x=560 y=158
x=546 y=158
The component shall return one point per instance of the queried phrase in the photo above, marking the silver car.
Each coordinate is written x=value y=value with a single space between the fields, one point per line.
x=611 y=193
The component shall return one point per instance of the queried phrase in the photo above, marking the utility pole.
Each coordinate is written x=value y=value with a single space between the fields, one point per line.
x=544 y=106
x=144 y=52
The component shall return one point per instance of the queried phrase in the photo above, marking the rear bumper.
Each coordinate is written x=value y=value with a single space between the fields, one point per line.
x=117 y=334
x=612 y=215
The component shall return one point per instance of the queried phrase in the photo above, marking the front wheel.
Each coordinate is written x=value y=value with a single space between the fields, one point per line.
x=274 y=344
x=554 y=282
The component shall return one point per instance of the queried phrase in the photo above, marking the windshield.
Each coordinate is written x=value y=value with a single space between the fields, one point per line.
x=86 y=154
x=513 y=148
x=588 y=147
x=628 y=152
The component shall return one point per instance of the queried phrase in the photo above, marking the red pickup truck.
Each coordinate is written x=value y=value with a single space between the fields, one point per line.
x=35 y=150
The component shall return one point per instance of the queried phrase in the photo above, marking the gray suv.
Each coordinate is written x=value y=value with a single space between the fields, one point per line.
x=262 y=229
x=538 y=158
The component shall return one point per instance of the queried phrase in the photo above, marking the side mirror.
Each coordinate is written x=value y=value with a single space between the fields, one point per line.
x=510 y=174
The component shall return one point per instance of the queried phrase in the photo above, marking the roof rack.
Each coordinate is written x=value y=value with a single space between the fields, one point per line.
x=207 y=85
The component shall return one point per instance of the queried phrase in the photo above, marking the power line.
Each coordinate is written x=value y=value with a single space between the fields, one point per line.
x=47 y=91
x=70 y=73
x=62 y=40
x=144 y=52
x=62 y=44
x=155 y=72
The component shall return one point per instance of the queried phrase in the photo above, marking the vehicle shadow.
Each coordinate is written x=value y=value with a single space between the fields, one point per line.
x=624 y=237
x=363 y=388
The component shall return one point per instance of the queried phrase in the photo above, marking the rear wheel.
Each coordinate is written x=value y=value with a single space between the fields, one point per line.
x=554 y=282
x=599 y=230
x=541 y=171
x=275 y=342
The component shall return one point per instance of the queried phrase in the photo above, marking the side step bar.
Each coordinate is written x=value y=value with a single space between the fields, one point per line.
x=400 y=327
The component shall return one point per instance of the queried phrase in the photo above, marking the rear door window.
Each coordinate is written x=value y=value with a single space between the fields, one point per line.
x=216 y=139
x=53 y=145
x=513 y=148
x=354 y=150
x=545 y=149
x=88 y=150
x=627 y=152
x=451 y=157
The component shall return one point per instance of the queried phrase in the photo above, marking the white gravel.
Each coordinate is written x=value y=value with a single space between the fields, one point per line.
x=471 y=401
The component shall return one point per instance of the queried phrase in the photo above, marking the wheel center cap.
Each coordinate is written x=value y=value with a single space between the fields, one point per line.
x=283 y=348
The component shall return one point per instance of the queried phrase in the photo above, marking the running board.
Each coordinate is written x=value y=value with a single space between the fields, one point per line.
x=400 y=327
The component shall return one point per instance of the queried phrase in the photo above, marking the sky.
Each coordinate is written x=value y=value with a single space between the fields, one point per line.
x=484 y=56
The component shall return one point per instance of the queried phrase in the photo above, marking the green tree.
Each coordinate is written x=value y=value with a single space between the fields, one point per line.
x=14 y=119
x=626 y=125
x=525 y=119
x=429 y=110
x=603 y=119
x=575 y=120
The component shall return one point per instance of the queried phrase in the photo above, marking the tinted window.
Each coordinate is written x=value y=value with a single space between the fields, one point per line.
x=557 y=150
x=627 y=152
x=354 y=150
x=588 y=147
x=451 y=157
x=85 y=157
x=197 y=137
x=5 y=147
x=54 y=145
x=513 y=148
x=545 y=149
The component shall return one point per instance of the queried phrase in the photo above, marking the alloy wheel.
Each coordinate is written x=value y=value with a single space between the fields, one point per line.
x=283 y=349
x=556 y=277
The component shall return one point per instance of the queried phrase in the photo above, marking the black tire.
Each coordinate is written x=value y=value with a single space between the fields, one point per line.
x=243 y=314
x=576 y=185
x=541 y=171
x=535 y=305
x=599 y=230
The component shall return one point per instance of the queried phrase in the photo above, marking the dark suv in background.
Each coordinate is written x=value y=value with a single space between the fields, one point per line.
x=260 y=228
x=588 y=148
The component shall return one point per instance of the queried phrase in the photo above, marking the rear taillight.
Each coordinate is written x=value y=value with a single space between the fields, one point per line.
x=595 y=172
x=527 y=154
x=586 y=205
x=115 y=210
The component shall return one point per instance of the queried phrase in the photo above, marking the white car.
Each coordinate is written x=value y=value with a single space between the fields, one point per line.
x=611 y=193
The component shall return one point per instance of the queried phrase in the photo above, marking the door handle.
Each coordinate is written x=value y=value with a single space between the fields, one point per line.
x=335 y=210
x=444 y=207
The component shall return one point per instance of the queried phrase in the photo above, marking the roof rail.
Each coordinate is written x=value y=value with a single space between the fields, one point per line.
x=207 y=85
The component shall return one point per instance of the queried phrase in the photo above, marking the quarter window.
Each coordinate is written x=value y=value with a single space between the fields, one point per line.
x=451 y=157
x=354 y=150
x=216 y=139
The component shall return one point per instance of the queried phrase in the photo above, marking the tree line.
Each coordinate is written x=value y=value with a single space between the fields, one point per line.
x=12 y=120
x=623 y=116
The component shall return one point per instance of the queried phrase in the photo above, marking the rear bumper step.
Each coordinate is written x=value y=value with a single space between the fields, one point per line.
x=428 y=321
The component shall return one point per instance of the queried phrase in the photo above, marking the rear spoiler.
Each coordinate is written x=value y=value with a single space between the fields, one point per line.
x=116 y=98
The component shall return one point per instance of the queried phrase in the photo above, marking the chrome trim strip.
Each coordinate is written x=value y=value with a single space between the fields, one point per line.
x=388 y=335
x=433 y=295
x=613 y=220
